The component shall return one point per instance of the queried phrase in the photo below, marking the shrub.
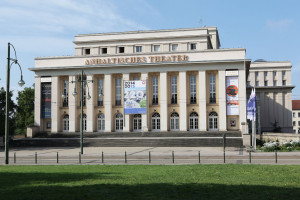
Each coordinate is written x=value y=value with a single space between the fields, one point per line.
x=270 y=146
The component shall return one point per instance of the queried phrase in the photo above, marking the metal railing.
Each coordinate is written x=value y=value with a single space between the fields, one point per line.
x=153 y=157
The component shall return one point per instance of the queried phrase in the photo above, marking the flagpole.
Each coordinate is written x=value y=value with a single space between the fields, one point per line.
x=254 y=125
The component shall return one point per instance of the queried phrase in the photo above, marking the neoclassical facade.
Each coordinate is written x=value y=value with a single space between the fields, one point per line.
x=272 y=81
x=192 y=84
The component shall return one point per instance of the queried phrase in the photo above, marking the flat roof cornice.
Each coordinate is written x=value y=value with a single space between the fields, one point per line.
x=147 y=31
x=142 y=54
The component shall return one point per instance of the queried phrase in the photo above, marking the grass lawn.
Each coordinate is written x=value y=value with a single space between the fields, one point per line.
x=83 y=182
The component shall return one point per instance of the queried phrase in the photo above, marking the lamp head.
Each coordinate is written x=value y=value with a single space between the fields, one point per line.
x=21 y=82
x=63 y=96
x=74 y=93
x=88 y=96
x=101 y=93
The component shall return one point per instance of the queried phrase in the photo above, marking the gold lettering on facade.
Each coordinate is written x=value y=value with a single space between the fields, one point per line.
x=179 y=58
x=114 y=60
x=185 y=58
x=139 y=59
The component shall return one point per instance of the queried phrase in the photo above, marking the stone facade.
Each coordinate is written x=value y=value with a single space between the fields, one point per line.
x=186 y=74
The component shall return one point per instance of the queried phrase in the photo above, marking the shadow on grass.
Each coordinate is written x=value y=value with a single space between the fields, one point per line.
x=108 y=186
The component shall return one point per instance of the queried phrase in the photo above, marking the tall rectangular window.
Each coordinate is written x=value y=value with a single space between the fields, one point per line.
x=193 y=92
x=155 y=90
x=274 y=83
x=174 y=90
x=274 y=74
x=100 y=92
x=212 y=88
x=66 y=93
x=118 y=92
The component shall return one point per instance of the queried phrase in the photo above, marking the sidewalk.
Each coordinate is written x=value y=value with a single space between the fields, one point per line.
x=145 y=155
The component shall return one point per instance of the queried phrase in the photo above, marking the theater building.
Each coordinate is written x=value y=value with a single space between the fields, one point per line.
x=191 y=84
x=272 y=81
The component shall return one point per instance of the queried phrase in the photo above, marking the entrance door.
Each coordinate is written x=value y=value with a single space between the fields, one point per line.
x=213 y=121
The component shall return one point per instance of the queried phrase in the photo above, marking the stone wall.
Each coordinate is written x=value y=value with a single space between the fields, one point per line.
x=281 y=137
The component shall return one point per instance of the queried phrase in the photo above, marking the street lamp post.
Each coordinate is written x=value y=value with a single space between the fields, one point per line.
x=83 y=83
x=21 y=83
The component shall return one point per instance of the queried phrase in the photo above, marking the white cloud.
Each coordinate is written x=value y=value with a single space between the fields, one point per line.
x=279 y=25
x=35 y=17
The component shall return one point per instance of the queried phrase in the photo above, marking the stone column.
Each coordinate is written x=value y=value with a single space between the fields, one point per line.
x=90 y=111
x=37 y=103
x=163 y=101
x=182 y=101
x=242 y=97
x=107 y=102
x=56 y=103
x=72 y=105
x=126 y=127
x=222 y=101
x=144 y=77
x=202 y=101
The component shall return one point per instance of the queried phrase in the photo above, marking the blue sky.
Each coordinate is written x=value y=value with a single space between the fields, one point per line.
x=267 y=29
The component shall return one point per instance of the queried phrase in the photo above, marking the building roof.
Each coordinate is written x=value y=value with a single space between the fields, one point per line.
x=296 y=104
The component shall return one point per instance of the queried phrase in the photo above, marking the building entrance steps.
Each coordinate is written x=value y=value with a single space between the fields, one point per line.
x=159 y=139
x=143 y=134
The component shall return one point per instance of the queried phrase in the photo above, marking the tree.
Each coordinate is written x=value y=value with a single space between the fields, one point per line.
x=12 y=107
x=25 y=110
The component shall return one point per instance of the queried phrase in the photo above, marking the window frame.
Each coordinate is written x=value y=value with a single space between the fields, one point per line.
x=121 y=48
x=100 y=90
x=212 y=88
x=193 y=46
x=118 y=92
x=155 y=90
x=139 y=49
x=154 y=49
x=66 y=93
x=173 y=89
x=193 y=89
x=174 y=47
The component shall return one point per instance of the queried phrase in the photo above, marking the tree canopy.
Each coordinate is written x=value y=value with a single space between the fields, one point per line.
x=25 y=110
x=12 y=108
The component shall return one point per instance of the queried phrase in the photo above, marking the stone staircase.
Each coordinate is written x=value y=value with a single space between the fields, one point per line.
x=134 y=139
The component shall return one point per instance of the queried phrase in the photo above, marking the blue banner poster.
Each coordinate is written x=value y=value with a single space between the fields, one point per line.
x=135 y=97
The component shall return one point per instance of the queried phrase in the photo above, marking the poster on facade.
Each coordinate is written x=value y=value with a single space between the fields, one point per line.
x=232 y=95
x=135 y=98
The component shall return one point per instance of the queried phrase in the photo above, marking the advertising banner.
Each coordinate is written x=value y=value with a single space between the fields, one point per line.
x=135 y=97
x=232 y=95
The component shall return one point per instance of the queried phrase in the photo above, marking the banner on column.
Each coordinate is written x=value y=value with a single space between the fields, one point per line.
x=232 y=95
x=135 y=98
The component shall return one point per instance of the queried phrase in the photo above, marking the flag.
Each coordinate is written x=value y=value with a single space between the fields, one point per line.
x=251 y=106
